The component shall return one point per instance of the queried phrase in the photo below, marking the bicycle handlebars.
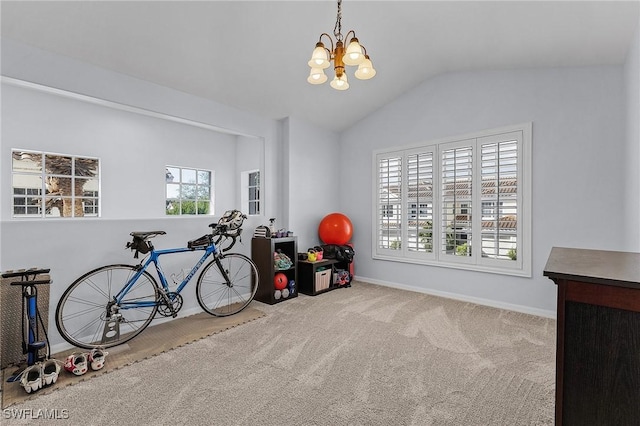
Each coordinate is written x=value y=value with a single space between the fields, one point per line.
x=226 y=235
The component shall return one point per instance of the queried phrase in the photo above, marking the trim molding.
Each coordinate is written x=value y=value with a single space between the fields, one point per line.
x=119 y=106
x=455 y=296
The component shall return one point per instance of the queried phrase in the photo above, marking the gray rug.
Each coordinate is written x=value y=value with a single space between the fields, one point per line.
x=152 y=341
x=365 y=355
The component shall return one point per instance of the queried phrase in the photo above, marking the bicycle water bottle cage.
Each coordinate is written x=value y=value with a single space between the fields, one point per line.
x=140 y=243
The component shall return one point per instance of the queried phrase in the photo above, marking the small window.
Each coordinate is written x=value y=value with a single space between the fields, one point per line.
x=188 y=191
x=53 y=185
x=250 y=182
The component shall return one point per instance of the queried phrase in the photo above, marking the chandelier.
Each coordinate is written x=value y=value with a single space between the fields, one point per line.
x=354 y=54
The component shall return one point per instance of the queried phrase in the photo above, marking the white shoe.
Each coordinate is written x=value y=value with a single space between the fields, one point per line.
x=76 y=363
x=96 y=358
x=50 y=371
x=31 y=379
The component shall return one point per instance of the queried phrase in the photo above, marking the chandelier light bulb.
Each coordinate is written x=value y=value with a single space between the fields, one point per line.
x=340 y=83
x=319 y=57
x=317 y=76
x=365 y=70
x=354 y=55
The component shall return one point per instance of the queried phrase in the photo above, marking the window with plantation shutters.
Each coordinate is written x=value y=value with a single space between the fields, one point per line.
x=461 y=202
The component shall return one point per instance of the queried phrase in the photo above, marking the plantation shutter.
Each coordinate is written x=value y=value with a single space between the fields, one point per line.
x=389 y=202
x=456 y=207
x=499 y=174
x=419 y=202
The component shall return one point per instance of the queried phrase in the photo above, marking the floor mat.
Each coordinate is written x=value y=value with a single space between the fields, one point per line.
x=152 y=341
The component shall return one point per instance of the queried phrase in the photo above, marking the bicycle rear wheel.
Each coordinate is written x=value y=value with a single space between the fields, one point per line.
x=88 y=317
x=221 y=298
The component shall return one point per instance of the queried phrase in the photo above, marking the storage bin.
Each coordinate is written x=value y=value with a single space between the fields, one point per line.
x=323 y=279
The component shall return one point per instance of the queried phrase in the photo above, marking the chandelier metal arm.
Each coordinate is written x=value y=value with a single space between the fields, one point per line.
x=347 y=40
x=330 y=41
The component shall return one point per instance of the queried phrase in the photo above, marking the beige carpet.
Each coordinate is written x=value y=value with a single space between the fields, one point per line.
x=152 y=341
x=365 y=355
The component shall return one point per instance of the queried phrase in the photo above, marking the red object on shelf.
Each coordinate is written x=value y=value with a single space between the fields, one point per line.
x=280 y=281
x=335 y=228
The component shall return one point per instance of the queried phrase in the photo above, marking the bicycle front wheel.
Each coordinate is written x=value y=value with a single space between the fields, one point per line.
x=227 y=285
x=87 y=315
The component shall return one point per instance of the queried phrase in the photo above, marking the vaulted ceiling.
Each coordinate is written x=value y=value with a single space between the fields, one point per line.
x=253 y=55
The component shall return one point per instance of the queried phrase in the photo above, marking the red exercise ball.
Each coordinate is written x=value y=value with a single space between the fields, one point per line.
x=280 y=281
x=335 y=228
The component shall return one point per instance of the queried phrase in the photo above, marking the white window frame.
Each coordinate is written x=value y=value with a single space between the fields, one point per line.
x=45 y=176
x=24 y=197
x=180 y=183
x=522 y=266
x=245 y=190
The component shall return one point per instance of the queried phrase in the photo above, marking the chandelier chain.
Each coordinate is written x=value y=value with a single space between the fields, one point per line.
x=337 y=30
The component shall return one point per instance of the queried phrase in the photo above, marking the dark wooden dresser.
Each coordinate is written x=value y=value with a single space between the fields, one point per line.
x=598 y=337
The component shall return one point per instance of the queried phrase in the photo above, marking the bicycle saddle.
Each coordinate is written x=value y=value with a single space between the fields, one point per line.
x=145 y=235
x=140 y=244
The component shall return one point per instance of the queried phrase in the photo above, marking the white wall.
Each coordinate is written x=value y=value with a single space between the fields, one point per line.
x=38 y=66
x=578 y=178
x=632 y=155
x=133 y=152
x=313 y=161
x=131 y=148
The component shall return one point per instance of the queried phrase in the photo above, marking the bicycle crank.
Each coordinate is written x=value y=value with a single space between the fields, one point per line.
x=170 y=304
x=112 y=318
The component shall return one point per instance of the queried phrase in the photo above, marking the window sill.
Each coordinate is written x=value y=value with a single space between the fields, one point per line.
x=464 y=266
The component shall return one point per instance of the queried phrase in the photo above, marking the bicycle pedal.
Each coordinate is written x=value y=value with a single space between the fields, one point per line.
x=35 y=346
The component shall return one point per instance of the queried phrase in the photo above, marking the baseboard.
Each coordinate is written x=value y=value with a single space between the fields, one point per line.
x=463 y=298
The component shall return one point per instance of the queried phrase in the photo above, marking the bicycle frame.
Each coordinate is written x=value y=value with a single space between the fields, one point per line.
x=154 y=258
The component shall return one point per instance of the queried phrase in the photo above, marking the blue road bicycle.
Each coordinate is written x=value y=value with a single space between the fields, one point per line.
x=113 y=304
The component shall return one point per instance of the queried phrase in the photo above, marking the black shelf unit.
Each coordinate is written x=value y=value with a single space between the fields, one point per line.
x=262 y=250
x=308 y=273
